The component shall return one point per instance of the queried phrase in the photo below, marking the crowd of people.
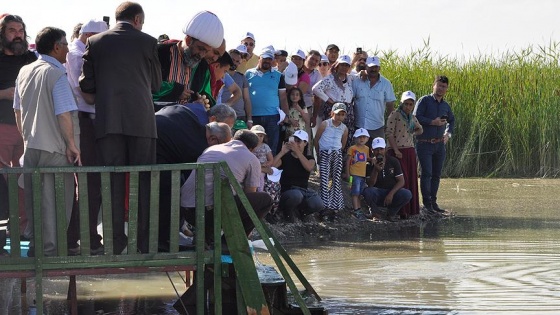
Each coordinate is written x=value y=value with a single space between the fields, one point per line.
x=116 y=96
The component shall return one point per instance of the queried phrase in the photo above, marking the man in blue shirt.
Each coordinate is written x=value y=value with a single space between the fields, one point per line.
x=267 y=90
x=372 y=98
x=437 y=119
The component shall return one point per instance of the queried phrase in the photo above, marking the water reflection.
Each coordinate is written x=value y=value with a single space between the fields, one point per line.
x=498 y=254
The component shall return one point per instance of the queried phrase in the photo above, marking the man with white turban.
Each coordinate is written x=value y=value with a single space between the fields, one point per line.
x=203 y=32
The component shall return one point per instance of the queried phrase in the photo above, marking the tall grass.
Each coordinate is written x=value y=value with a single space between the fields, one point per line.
x=506 y=107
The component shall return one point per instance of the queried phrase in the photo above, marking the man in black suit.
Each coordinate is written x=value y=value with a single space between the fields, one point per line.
x=121 y=70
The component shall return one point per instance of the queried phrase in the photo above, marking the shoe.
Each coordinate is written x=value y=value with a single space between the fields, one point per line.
x=75 y=251
x=359 y=214
x=271 y=218
x=376 y=213
x=97 y=251
x=428 y=209
x=437 y=208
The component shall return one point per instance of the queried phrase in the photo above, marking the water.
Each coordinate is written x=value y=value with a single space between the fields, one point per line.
x=497 y=255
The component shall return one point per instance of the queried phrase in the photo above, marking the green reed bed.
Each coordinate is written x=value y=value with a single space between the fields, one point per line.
x=506 y=108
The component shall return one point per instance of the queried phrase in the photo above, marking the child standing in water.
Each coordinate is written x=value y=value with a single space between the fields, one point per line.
x=356 y=163
x=330 y=139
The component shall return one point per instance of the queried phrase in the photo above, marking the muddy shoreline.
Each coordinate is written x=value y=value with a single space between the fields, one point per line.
x=345 y=225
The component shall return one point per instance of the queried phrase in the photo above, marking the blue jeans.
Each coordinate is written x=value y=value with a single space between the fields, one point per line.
x=376 y=197
x=297 y=197
x=270 y=124
x=431 y=157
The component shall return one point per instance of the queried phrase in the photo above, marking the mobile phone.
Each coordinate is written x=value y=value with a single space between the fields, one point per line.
x=291 y=139
x=106 y=19
x=359 y=50
x=444 y=117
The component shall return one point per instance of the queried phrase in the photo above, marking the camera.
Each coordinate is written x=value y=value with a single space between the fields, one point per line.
x=379 y=158
x=359 y=50
x=291 y=139
x=106 y=19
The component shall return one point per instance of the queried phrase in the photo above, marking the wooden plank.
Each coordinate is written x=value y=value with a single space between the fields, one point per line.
x=106 y=209
x=239 y=250
x=13 y=192
x=133 y=212
x=154 y=213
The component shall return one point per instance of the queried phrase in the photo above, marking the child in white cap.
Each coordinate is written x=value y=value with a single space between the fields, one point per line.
x=330 y=141
x=356 y=164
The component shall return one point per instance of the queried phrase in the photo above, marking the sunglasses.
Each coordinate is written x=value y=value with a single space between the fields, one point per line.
x=323 y=64
x=249 y=44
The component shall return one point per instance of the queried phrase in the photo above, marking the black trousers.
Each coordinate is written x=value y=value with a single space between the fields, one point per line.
x=89 y=158
x=260 y=201
x=119 y=150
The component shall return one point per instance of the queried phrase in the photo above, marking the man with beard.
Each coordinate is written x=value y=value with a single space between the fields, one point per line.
x=374 y=99
x=14 y=54
x=267 y=89
x=359 y=62
x=178 y=60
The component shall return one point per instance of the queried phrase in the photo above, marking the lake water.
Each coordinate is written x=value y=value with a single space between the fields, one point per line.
x=499 y=253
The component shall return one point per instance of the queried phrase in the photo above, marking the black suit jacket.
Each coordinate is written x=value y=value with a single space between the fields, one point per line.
x=121 y=67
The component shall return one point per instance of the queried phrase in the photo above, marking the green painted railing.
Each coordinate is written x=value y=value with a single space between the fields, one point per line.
x=226 y=215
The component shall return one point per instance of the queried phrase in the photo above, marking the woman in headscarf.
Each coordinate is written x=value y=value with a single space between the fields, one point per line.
x=402 y=126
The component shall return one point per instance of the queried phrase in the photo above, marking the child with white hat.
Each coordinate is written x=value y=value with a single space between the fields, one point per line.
x=356 y=164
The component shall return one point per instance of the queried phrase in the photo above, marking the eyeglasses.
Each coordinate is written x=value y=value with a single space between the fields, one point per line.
x=249 y=44
x=323 y=64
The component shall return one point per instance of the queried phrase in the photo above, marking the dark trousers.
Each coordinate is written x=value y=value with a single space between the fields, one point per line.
x=118 y=150
x=260 y=201
x=89 y=158
x=375 y=197
x=431 y=157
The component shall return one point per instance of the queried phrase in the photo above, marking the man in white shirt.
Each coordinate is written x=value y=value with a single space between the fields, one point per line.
x=86 y=116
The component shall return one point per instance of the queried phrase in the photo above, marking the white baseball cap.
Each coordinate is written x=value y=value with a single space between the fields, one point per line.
x=344 y=59
x=361 y=132
x=275 y=176
x=378 y=143
x=291 y=74
x=249 y=35
x=324 y=58
x=93 y=26
x=302 y=135
x=373 y=61
x=242 y=49
x=298 y=53
x=408 y=95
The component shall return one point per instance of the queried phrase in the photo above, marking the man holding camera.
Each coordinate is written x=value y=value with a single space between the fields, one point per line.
x=385 y=184
x=437 y=120
x=374 y=99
